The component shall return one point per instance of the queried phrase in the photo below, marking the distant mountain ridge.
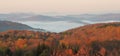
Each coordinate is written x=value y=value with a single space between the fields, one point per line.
x=80 y=18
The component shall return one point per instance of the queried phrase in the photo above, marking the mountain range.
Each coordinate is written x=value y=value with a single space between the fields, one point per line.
x=82 y=18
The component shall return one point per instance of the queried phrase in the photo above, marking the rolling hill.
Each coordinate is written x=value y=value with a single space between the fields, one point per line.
x=8 y=25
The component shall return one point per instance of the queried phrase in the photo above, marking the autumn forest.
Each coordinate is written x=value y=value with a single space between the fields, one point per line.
x=102 y=39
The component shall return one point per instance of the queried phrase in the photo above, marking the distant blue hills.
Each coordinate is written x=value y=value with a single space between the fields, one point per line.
x=82 y=18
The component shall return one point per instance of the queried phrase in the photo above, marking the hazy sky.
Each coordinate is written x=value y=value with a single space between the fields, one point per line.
x=60 y=6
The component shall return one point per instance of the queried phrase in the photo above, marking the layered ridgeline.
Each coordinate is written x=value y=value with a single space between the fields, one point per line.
x=8 y=25
x=80 y=18
x=90 y=40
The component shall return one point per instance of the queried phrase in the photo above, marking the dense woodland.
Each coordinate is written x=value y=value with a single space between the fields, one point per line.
x=90 y=40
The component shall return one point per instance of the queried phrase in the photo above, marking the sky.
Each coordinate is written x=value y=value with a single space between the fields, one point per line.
x=60 y=6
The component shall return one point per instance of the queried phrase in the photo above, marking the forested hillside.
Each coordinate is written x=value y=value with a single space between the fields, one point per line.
x=91 y=40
